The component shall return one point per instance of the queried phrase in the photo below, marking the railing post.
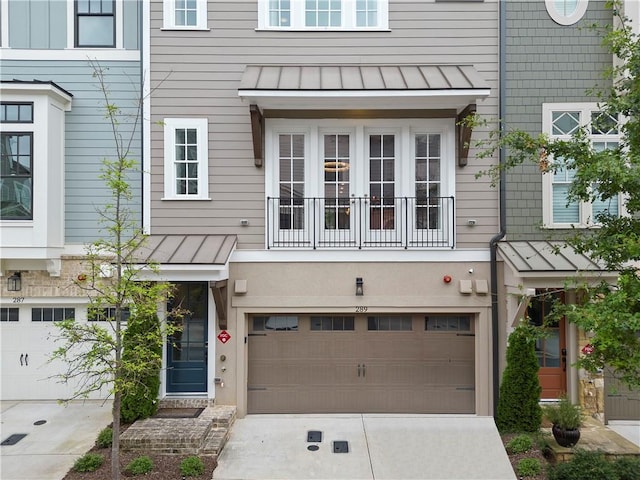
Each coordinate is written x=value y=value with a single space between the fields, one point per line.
x=406 y=222
x=453 y=223
x=313 y=228
x=269 y=223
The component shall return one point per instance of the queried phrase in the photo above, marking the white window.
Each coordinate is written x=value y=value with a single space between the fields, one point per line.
x=323 y=14
x=186 y=164
x=566 y=12
x=561 y=121
x=32 y=121
x=185 y=15
x=342 y=183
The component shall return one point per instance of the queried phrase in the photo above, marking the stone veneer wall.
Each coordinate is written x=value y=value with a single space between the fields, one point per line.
x=591 y=386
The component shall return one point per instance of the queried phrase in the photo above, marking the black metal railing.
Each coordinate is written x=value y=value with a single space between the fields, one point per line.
x=360 y=222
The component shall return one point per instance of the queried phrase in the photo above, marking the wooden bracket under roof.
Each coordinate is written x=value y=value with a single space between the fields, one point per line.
x=219 y=291
x=257 y=132
x=463 y=134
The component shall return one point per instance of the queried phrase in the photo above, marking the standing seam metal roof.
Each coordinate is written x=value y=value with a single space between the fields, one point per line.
x=361 y=77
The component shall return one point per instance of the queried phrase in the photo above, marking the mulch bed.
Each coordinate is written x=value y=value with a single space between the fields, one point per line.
x=535 y=452
x=165 y=467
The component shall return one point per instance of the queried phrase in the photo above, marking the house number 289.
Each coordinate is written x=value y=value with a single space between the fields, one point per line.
x=361 y=309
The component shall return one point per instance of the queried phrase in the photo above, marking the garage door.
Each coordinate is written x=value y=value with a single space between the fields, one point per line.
x=361 y=364
x=620 y=403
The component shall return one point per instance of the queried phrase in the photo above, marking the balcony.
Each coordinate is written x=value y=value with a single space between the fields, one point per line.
x=360 y=222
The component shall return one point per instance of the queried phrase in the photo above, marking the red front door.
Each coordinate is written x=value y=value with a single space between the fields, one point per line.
x=551 y=350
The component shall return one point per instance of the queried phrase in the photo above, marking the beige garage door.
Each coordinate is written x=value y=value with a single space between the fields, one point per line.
x=361 y=364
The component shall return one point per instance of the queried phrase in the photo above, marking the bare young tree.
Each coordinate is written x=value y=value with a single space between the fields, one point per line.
x=92 y=352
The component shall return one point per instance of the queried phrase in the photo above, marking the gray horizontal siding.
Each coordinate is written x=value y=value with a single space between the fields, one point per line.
x=546 y=62
x=88 y=137
x=199 y=74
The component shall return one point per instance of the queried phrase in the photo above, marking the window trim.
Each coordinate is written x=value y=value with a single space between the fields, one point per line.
x=585 y=208
x=30 y=134
x=169 y=16
x=170 y=126
x=76 y=24
x=64 y=310
x=348 y=17
x=565 y=20
x=19 y=104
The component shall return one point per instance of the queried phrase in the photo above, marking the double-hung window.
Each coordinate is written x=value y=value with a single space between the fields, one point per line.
x=16 y=161
x=562 y=121
x=323 y=14
x=95 y=23
x=185 y=15
x=186 y=167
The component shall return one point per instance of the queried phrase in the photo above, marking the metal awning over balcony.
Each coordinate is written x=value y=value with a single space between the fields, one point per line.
x=382 y=91
x=362 y=86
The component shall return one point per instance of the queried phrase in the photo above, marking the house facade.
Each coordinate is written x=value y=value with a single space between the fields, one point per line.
x=313 y=197
x=553 y=58
x=54 y=138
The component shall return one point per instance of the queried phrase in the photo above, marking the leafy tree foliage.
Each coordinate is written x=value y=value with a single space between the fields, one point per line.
x=610 y=311
x=93 y=351
x=518 y=408
x=143 y=336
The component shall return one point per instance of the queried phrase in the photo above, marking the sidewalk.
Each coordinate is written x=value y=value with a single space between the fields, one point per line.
x=48 y=450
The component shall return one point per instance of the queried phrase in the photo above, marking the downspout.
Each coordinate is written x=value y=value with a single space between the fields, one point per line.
x=493 y=244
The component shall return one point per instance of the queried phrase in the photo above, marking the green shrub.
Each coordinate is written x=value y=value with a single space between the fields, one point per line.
x=142 y=338
x=520 y=444
x=584 y=466
x=105 y=438
x=529 y=467
x=191 y=467
x=518 y=408
x=564 y=414
x=139 y=466
x=628 y=468
x=89 y=462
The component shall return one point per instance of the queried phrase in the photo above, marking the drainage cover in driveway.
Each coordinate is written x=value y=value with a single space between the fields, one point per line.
x=13 y=439
x=340 y=446
x=314 y=436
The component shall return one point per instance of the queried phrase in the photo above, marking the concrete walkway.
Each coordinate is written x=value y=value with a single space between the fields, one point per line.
x=629 y=429
x=380 y=447
x=49 y=450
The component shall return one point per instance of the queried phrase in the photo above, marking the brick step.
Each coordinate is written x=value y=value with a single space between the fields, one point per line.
x=215 y=441
x=206 y=434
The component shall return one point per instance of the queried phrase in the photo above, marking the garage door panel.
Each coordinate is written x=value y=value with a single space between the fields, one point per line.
x=361 y=371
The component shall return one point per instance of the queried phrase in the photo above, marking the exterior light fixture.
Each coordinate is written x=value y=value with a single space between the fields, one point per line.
x=359 y=287
x=14 y=282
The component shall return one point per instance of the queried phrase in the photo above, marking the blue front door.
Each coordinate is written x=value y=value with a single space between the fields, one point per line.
x=187 y=348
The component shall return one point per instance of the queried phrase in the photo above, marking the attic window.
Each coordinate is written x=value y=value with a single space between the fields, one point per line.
x=566 y=12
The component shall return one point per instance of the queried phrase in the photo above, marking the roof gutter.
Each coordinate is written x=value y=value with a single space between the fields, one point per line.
x=493 y=244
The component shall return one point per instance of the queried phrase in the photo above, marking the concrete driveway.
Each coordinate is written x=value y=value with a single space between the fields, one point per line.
x=48 y=450
x=379 y=447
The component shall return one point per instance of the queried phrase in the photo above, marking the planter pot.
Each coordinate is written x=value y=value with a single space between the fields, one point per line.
x=565 y=438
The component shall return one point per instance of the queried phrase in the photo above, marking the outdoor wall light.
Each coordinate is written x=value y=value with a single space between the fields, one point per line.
x=359 y=287
x=14 y=282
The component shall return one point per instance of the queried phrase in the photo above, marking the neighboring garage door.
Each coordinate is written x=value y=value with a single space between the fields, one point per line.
x=619 y=402
x=361 y=364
